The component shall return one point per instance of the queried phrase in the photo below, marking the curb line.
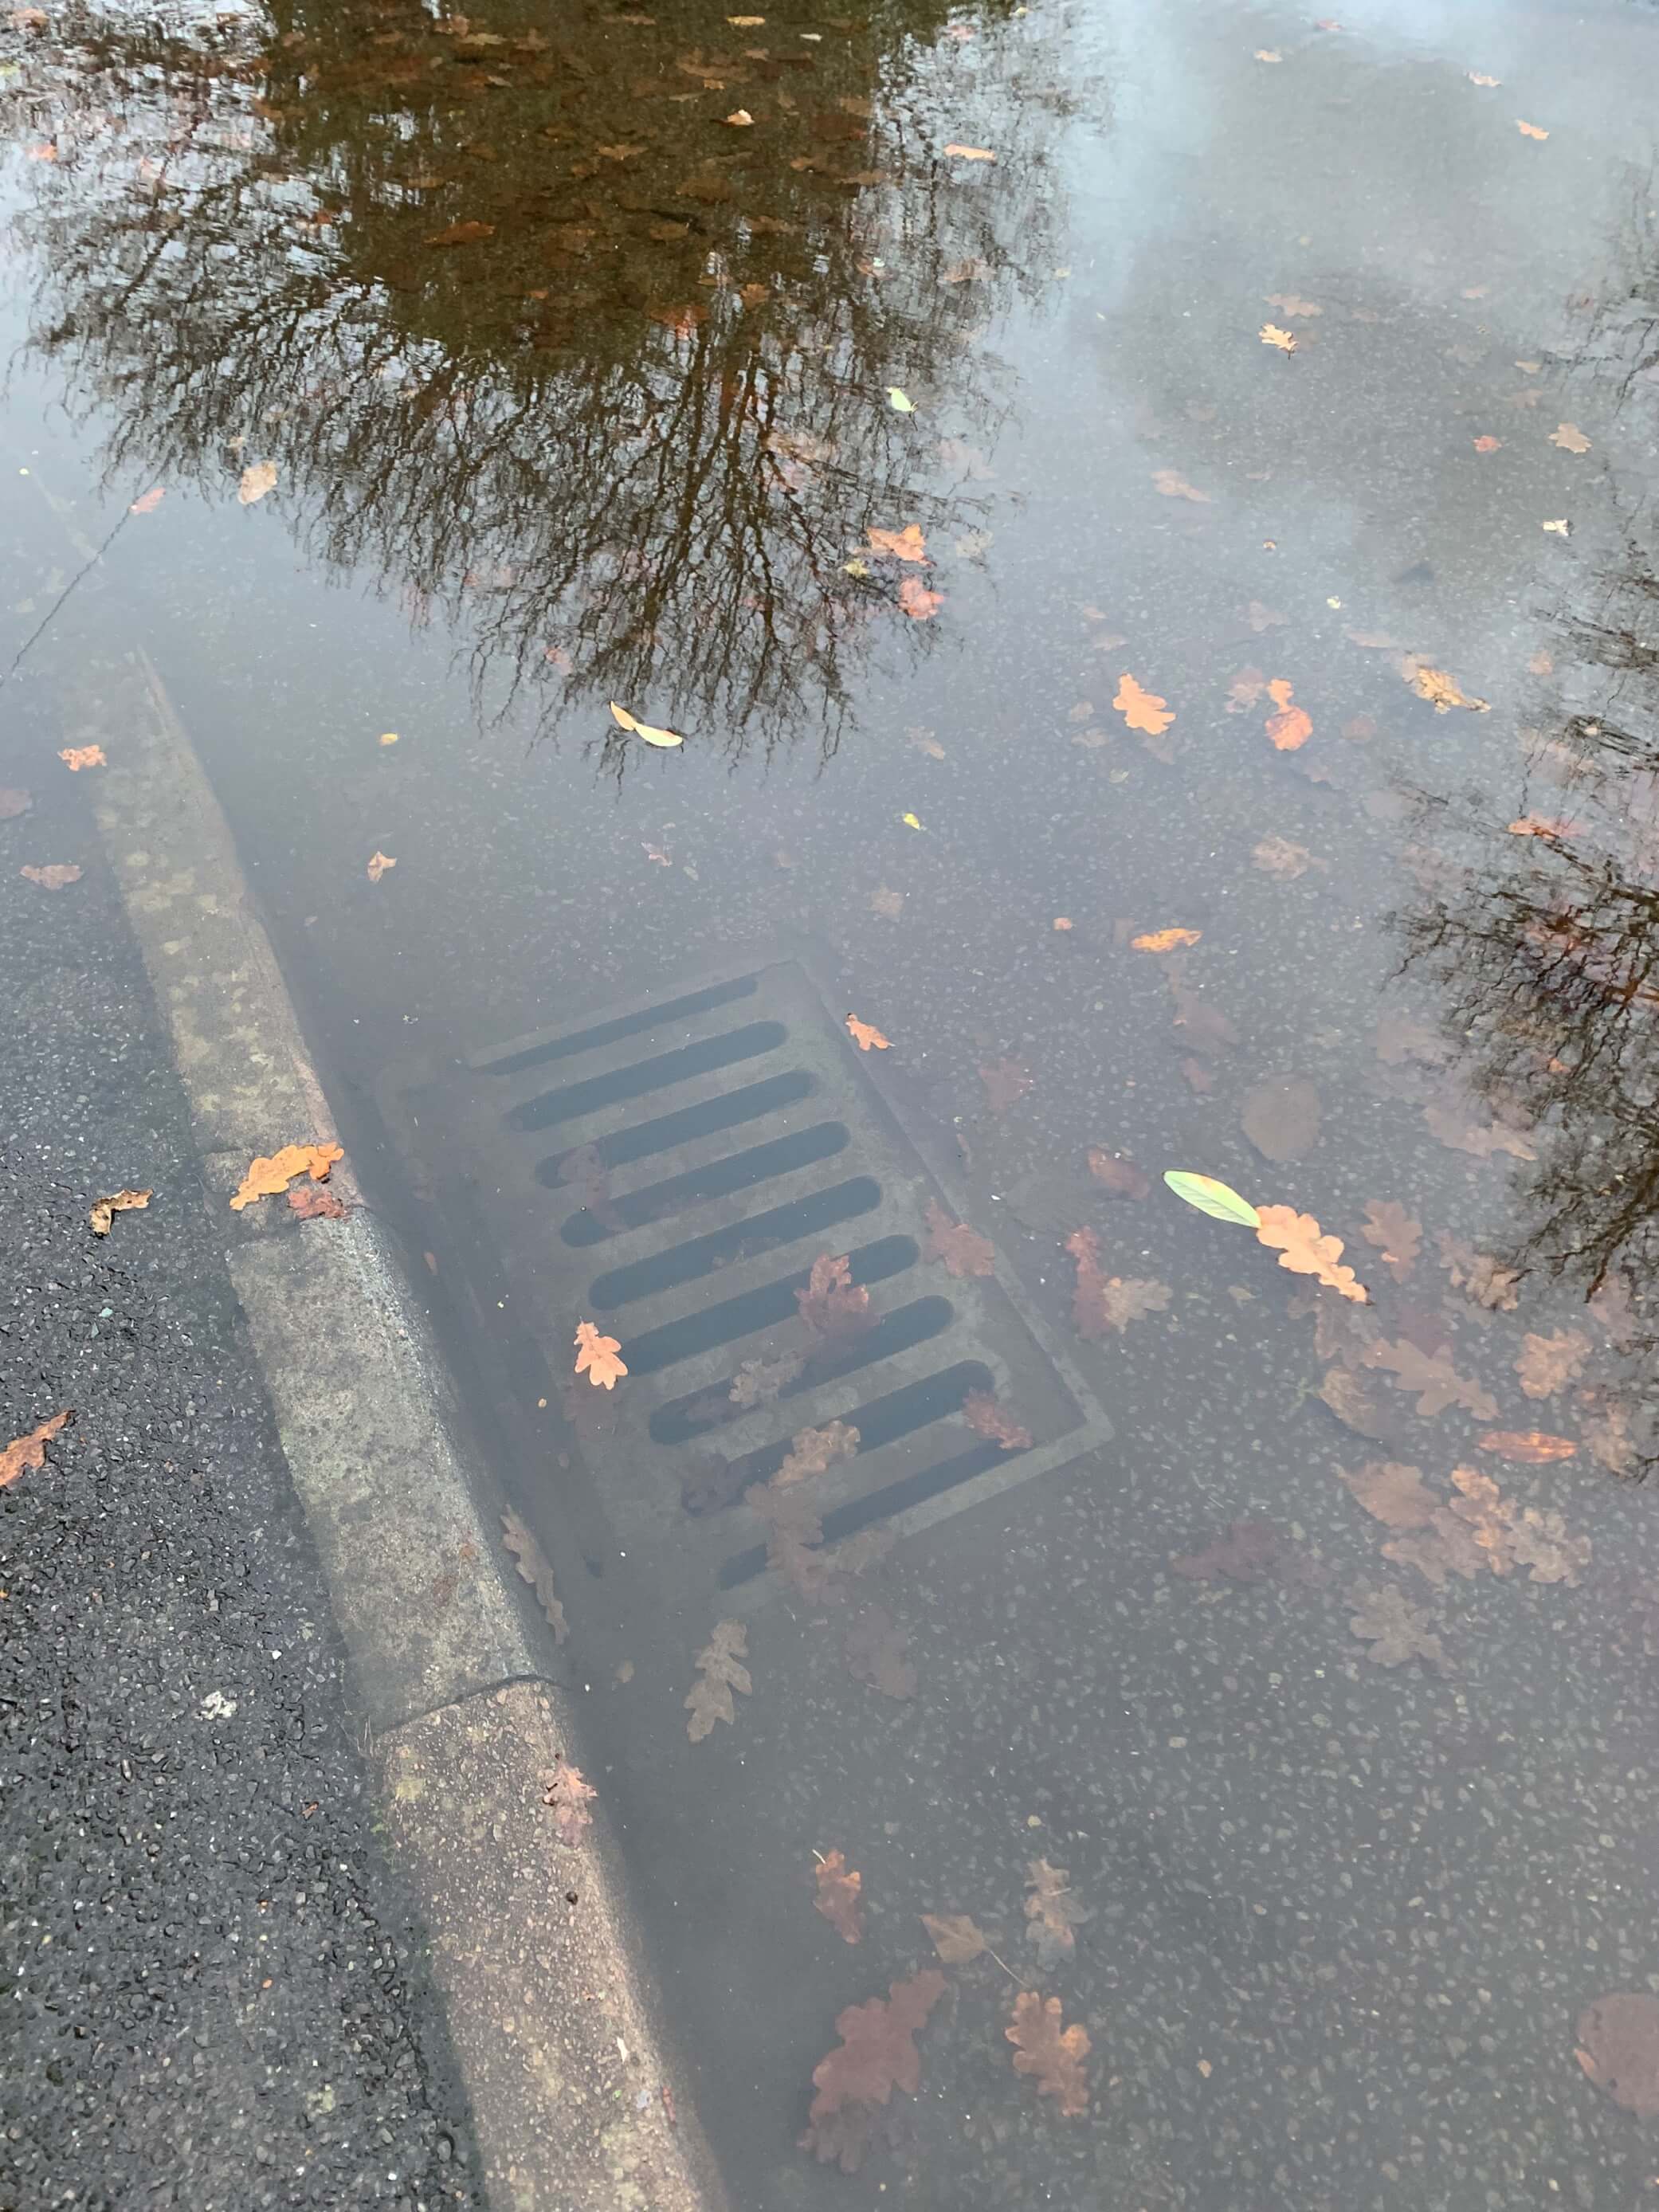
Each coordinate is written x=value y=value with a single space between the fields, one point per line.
x=550 y=2010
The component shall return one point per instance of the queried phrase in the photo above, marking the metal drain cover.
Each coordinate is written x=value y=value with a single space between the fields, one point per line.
x=671 y=1170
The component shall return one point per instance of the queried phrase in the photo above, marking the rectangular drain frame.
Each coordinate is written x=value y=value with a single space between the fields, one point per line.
x=741 y=1135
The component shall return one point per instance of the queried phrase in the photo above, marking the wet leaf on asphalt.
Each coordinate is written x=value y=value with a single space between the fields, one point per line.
x=1548 y=1364
x=719 y=1664
x=875 y=1649
x=1272 y=334
x=989 y=1417
x=1532 y=1447
x=866 y=1038
x=1619 y=2049
x=25 y=1453
x=1246 y=688
x=597 y=1357
x=877 y=2055
x=1243 y=1553
x=837 y=1898
x=532 y=1567
x=1393 y=1493
x=1570 y=438
x=257 y=479
x=1280 y=1117
x=963 y=1250
x=1530 y=130
x=102 y=1215
x=1394 y=1234
x=1119 y=1177
x=1432 y=1376
x=1213 y=1197
x=955 y=1937
x=644 y=730
x=1053 y=1911
x=76 y=757
x=899 y=401
x=56 y=876
x=269 y=1178
x=1441 y=690
x=1289 y=726
x=1304 y=1248
x=1142 y=710
x=1346 y=1396
x=917 y=601
x=1104 y=1305
x=379 y=863
x=1006 y=1082
x=1164 y=941
x=1395 y=1629
x=567 y=1793
x=1291 y=306
x=1454 y=1129
x=1487 y=444
x=1277 y=856
x=1053 y=2055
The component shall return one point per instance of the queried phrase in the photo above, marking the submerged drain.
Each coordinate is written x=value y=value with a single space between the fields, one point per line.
x=670 y=1171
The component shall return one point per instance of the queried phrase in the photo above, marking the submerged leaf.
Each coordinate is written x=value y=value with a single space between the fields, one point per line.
x=955 y=1936
x=877 y=2055
x=1164 y=941
x=1054 y=2056
x=838 y=1896
x=720 y=1665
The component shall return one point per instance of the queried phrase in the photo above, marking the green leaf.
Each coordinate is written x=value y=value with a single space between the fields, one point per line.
x=900 y=402
x=1212 y=1197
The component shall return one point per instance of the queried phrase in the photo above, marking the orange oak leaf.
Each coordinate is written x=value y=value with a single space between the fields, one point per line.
x=269 y=1178
x=1570 y=438
x=906 y=544
x=1053 y=2054
x=596 y=1357
x=1164 y=941
x=917 y=601
x=877 y=2055
x=76 y=757
x=30 y=1451
x=1142 y=710
x=1304 y=1248
x=838 y=1896
x=989 y=1418
x=1433 y=1378
x=866 y=1038
x=1548 y=1363
x=1270 y=335
x=963 y=1249
x=1104 y=1305
x=1291 y=725
x=1530 y=1446
x=1441 y=690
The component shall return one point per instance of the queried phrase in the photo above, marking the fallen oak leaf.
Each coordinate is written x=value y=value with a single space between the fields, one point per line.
x=1164 y=941
x=1270 y=335
x=1570 y=438
x=1304 y=1248
x=644 y=730
x=102 y=1215
x=1104 y=1305
x=379 y=862
x=720 y=1665
x=963 y=1250
x=1053 y=1911
x=1142 y=710
x=866 y=1038
x=1277 y=856
x=1394 y=1234
x=838 y=1896
x=834 y=1307
x=597 y=1357
x=257 y=479
x=1054 y=2056
x=533 y=1568
x=874 y=1648
x=1243 y=1553
x=1432 y=1376
x=76 y=757
x=25 y=1453
x=1547 y=1363
x=1290 y=726
x=1440 y=690
x=1291 y=307
x=877 y=2055
x=1393 y=1493
x=269 y=1178
x=1394 y=1629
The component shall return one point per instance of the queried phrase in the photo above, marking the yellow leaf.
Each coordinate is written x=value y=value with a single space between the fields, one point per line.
x=122 y=1201
x=1273 y=336
x=900 y=402
x=624 y=720
x=1164 y=941
x=910 y=820
x=1142 y=710
x=256 y=480
x=266 y=1178
x=379 y=862
x=596 y=1356
x=1304 y=1249
x=388 y=737
x=970 y=153
x=866 y=1038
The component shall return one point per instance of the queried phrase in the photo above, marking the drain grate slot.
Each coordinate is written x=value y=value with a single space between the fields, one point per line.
x=883 y=1421
x=683 y=1418
x=729 y=1111
x=516 y=1060
x=722 y=1178
x=573 y=1099
x=880 y=1506
x=741 y=1240
x=753 y=1310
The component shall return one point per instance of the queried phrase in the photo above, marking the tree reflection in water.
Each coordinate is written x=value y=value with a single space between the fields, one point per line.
x=532 y=326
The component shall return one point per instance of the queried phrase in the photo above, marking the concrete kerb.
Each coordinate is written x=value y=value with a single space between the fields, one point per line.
x=550 y=2009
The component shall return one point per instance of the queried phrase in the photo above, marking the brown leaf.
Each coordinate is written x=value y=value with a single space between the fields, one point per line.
x=1291 y=307
x=1570 y=438
x=56 y=876
x=1173 y=485
x=1395 y=1629
x=1120 y=1177
x=1164 y=941
x=1246 y=688
x=597 y=1357
x=1260 y=618
x=875 y=1647
x=122 y=1201
x=1054 y=2056
x=149 y=502
x=1394 y=1495
x=833 y=1306
x=762 y=1382
x=1432 y=1376
x=992 y=1421
x=877 y=2055
x=1618 y=2039
x=379 y=862
x=30 y=1451
x=1290 y=726
x=1270 y=335
x=815 y=1451
x=1006 y=1082
x=1243 y=1554
x=1104 y=1305
x=963 y=1250
x=838 y=1896
x=1607 y=1434
x=889 y=904
x=1280 y=1117
x=866 y=1038
x=462 y=233
x=1053 y=1911
x=1277 y=856
x=1487 y=444
x=719 y=1664
x=1352 y=1404
x=906 y=544
x=1306 y=1251
x=76 y=757
x=955 y=1936
x=533 y=1569
x=1531 y=1446
x=1479 y=1276
x=312 y=1203
x=1547 y=1363
x=1462 y=1136
x=269 y=1178
x=567 y=1793
x=917 y=601
x=1438 y=688
x=1395 y=1235
x=1142 y=710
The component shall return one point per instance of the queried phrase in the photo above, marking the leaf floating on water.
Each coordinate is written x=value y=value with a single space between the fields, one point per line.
x=906 y=544
x=1395 y=1629
x=1532 y=1447
x=970 y=153
x=989 y=1418
x=899 y=401
x=102 y=1216
x=720 y=1665
x=28 y=1452
x=1304 y=1248
x=644 y=730
x=76 y=757
x=838 y=1896
x=1142 y=710
x=955 y=1937
x=149 y=500
x=866 y=1038
x=1174 y=485
x=1290 y=726
x=1548 y=1364
x=1055 y=2056
x=533 y=1568
x=1270 y=335
x=256 y=480
x=1570 y=438
x=268 y=1178
x=1164 y=941
x=963 y=1250
x=877 y=2055
x=1619 y=2050
x=1212 y=1197
x=597 y=1357
x=379 y=862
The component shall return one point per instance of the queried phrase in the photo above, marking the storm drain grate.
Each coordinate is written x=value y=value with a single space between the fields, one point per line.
x=670 y=1171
